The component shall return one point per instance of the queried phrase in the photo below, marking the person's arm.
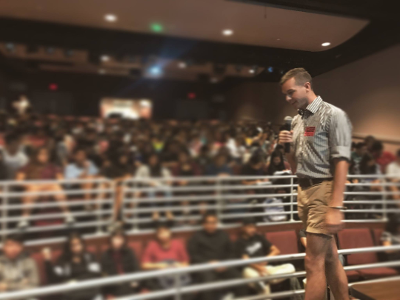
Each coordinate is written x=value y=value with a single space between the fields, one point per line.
x=20 y=176
x=340 y=144
x=303 y=241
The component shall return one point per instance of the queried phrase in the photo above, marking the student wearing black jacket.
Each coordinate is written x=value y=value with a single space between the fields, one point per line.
x=212 y=245
x=119 y=259
x=75 y=264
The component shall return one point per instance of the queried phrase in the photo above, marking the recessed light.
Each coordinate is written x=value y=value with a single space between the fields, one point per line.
x=326 y=44
x=105 y=58
x=270 y=69
x=227 y=32
x=252 y=71
x=214 y=80
x=155 y=70
x=110 y=18
x=182 y=65
x=102 y=71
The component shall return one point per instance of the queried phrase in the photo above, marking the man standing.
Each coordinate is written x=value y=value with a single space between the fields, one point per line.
x=320 y=153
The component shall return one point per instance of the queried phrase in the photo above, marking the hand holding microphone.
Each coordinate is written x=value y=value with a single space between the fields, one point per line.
x=286 y=135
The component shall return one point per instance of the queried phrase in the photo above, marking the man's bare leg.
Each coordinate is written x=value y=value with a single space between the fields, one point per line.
x=335 y=274
x=317 y=248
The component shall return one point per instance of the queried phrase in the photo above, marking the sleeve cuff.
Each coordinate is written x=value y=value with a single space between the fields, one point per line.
x=341 y=152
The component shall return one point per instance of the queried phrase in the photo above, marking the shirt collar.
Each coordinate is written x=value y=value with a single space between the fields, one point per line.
x=312 y=107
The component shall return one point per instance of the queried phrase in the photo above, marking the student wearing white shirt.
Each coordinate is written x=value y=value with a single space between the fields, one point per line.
x=393 y=169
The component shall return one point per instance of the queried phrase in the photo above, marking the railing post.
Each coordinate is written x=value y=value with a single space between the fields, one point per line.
x=219 y=201
x=135 y=208
x=177 y=287
x=384 y=200
x=291 y=198
x=4 y=214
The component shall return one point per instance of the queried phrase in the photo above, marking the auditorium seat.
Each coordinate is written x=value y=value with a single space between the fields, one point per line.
x=286 y=241
x=377 y=236
x=361 y=238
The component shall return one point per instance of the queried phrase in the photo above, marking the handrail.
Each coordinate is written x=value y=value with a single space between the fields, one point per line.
x=190 y=269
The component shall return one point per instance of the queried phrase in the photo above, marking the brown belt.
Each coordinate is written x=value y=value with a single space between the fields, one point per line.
x=305 y=183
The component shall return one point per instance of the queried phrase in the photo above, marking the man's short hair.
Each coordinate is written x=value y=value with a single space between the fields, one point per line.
x=249 y=221
x=300 y=75
x=17 y=238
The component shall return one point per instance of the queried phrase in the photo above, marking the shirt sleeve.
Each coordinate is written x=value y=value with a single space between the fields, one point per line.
x=71 y=172
x=93 y=169
x=340 y=130
x=266 y=244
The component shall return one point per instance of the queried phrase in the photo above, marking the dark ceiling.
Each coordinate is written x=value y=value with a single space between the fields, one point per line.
x=380 y=33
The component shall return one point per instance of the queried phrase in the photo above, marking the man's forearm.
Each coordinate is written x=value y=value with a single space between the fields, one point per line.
x=339 y=182
x=292 y=161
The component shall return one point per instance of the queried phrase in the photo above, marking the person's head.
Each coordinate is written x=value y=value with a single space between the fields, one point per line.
x=80 y=156
x=163 y=232
x=393 y=225
x=118 y=240
x=367 y=164
x=361 y=148
x=249 y=227
x=369 y=140
x=75 y=245
x=13 y=246
x=297 y=87
x=377 y=149
x=183 y=157
x=220 y=159
x=276 y=158
x=210 y=222
x=41 y=156
x=13 y=142
x=153 y=160
x=256 y=161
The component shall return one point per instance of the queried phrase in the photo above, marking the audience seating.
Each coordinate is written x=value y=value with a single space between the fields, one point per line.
x=361 y=238
x=286 y=241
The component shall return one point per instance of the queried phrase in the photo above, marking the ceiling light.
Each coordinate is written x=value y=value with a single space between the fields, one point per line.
x=182 y=65
x=155 y=70
x=270 y=69
x=102 y=71
x=156 y=27
x=110 y=18
x=251 y=71
x=326 y=44
x=105 y=58
x=227 y=32
x=214 y=80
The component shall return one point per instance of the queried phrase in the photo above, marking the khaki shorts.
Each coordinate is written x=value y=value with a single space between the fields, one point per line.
x=312 y=204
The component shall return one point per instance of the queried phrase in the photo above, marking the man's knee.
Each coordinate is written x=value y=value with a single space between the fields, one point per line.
x=313 y=263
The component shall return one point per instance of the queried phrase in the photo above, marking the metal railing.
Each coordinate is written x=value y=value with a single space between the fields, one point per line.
x=178 y=290
x=52 y=201
x=271 y=200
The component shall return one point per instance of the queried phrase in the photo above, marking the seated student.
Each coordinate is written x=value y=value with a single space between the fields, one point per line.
x=17 y=270
x=40 y=168
x=391 y=237
x=119 y=259
x=252 y=245
x=165 y=252
x=75 y=264
x=82 y=168
x=277 y=163
x=212 y=245
x=382 y=158
x=393 y=169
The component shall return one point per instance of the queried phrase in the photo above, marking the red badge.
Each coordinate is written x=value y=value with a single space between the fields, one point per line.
x=309 y=131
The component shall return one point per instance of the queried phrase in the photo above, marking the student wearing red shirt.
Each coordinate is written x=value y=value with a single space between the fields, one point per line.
x=382 y=158
x=163 y=253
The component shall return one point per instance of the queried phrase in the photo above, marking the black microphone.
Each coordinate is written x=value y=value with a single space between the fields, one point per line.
x=288 y=127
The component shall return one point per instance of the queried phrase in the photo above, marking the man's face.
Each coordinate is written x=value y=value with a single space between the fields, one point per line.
x=250 y=230
x=12 y=249
x=80 y=157
x=210 y=224
x=295 y=94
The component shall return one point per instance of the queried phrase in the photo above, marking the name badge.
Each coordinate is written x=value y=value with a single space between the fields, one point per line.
x=309 y=131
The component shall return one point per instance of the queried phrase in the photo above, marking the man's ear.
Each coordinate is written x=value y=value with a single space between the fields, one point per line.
x=307 y=85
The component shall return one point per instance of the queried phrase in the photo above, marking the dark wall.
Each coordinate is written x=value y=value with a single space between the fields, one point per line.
x=80 y=94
